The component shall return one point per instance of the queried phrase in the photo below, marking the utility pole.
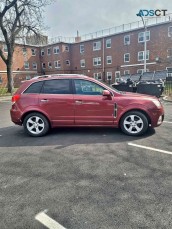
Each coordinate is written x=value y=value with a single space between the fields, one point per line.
x=145 y=41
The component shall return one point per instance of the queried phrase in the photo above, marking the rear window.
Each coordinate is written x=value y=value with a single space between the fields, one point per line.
x=34 y=88
x=56 y=87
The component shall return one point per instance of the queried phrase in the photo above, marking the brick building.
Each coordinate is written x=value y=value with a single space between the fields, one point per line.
x=105 y=55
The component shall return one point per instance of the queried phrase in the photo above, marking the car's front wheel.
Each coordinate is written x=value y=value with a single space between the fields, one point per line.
x=36 y=124
x=134 y=123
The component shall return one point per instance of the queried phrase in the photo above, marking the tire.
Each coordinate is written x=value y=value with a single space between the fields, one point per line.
x=134 y=123
x=36 y=124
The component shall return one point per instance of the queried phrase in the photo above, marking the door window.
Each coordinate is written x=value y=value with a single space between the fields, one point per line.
x=84 y=87
x=57 y=87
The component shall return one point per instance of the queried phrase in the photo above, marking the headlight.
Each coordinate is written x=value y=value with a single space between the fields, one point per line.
x=157 y=103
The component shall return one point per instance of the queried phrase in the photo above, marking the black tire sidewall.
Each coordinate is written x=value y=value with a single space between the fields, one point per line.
x=46 y=124
x=139 y=114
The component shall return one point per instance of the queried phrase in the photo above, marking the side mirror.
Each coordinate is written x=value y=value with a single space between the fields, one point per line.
x=106 y=93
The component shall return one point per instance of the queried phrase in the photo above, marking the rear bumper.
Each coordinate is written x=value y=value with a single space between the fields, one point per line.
x=16 y=116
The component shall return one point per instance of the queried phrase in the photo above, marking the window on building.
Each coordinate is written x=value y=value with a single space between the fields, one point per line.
x=109 y=75
x=126 y=72
x=141 y=55
x=43 y=65
x=48 y=51
x=82 y=63
x=1 y=80
x=170 y=31
x=57 y=64
x=67 y=48
x=82 y=48
x=26 y=65
x=98 y=76
x=169 y=71
x=127 y=57
x=33 y=52
x=169 y=52
x=108 y=43
x=96 y=61
x=61 y=86
x=5 y=48
x=141 y=36
x=24 y=50
x=126 y=39
x=68 y=62
x=96 y=45
x=49 y=65
x=28 y=77
x=56 y=50
x=109 y=59
x=42 y=52
x=117 y=74
x=34 y=65
x=141 y=71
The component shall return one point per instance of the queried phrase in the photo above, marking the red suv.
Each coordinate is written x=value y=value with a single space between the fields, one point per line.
x=74 y=100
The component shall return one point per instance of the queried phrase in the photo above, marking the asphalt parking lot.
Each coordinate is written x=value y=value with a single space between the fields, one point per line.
x=86 y=178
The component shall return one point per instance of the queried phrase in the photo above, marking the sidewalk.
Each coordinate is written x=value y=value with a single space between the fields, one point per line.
x=5 y=98
x=167 y=98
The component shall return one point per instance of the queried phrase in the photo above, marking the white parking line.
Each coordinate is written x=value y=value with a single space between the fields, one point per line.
x=47 y=221
x=167 y=122
x=150 y=148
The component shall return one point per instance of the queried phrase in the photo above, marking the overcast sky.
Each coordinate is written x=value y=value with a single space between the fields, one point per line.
x=65 y=17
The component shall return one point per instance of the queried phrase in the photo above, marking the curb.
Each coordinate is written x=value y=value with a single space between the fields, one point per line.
x=166 y=100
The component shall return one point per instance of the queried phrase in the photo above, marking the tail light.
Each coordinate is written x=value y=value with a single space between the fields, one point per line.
x=15 y=98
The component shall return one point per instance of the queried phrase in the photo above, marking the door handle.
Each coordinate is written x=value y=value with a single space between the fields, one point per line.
x=78 y=102
x=44 y=100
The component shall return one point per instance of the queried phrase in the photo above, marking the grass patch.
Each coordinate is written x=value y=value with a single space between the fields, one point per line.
x=3 y=91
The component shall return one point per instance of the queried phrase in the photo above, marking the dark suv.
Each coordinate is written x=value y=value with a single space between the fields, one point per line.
x=74 y=100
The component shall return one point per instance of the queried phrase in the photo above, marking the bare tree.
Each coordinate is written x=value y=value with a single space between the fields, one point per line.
x=18 y=18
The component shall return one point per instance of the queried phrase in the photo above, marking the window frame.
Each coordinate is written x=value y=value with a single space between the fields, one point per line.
x=56 y=48
x=82 y=48
x=141 y=41
x=48 y=51
x=108 y=58
x=42 y=52
x=28 y=66
x=99 y=74
x=127 y=58
x=34 y=64
x=82 y=61
x=107 y=75
x=97 y=60
x=126 y=42
x=147 y=51
x=58 y=66
x=96 y=45
x=109 y=39
x=169 y=31
x=33 y=51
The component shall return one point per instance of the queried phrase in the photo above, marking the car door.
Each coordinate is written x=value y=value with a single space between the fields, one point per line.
x=56 y=99
x=91 y=107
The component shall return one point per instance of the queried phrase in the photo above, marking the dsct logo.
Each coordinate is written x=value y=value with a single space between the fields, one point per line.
x=151 y=13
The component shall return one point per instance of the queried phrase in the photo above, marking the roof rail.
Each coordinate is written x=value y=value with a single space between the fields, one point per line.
x=47 y=76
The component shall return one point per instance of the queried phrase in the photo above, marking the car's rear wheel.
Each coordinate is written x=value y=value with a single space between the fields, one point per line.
x=134 y=123
x=36 y=124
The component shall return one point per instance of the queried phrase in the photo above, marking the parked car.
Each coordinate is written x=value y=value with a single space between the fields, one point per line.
x=75 y=100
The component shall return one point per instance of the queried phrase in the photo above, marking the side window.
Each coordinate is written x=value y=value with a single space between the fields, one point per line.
x=84 y=87
x=34 y=88
x=59 y=86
